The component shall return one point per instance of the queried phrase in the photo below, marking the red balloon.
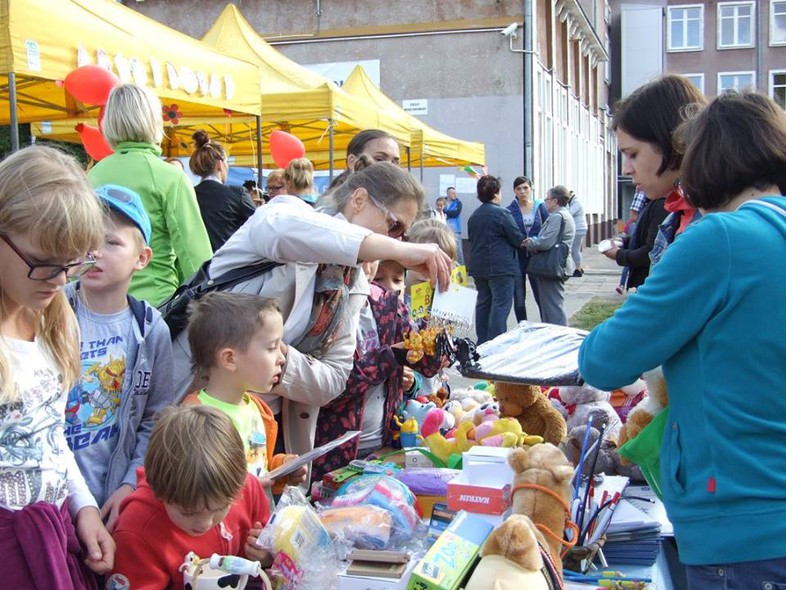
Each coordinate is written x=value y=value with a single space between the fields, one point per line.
x=285 y=147
x=91 y=84
x=94 y=141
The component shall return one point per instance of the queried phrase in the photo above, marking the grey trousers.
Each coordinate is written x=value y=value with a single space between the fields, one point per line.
x=552 y=302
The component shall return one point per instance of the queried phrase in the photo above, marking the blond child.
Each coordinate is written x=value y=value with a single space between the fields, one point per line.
x=126 y=358
x=235 y=341
x=49 y=220
x=194 y=494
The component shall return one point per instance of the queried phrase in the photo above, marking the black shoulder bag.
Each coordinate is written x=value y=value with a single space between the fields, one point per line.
x=175 y=309
x=551 y=264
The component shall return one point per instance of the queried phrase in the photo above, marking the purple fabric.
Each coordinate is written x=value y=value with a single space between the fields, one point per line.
x=40 y=550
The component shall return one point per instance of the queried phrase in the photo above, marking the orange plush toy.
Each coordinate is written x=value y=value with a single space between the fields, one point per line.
x=528 y=405
x=656 y=400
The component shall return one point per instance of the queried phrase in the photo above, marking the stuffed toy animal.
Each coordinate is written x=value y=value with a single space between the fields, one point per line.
x=417 y=410
x=504 y=432
x=584 y=401
x=532 y=409
x=541 y=490
x=443 y=447
x=656 y=400
x=510 y=558
x=609 y=460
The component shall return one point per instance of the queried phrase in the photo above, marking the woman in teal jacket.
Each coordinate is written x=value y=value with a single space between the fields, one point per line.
x=134 y=128
x=711 y=312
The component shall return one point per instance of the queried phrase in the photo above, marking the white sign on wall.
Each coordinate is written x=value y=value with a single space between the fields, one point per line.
x=338 y=71
x=417 y=106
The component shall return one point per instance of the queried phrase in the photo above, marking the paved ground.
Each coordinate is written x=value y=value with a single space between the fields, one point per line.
x=601 y=277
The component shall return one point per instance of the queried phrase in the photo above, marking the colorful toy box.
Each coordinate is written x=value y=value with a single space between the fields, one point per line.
x=447 y=563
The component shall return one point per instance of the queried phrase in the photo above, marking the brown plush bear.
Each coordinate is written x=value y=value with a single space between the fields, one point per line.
x=656 y=400
x=532 y=409
x=510 y=558
x=541 y=490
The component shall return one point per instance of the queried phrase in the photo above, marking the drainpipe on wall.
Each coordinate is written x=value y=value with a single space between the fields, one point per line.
x=529 y=29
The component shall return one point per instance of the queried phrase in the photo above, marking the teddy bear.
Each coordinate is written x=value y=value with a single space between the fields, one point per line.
x=583 y=401
x=608 y=461
x=656 y=400
x=532 y=409
x=510 y=558
x=541 y=490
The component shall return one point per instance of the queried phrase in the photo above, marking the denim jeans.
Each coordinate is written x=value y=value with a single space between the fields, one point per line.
x=768 y=574
x=520 y=295
x=495 y=298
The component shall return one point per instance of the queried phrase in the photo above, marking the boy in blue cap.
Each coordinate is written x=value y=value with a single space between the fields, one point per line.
x=126 y=356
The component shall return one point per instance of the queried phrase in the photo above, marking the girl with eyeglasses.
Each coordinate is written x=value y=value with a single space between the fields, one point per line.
x=320 y=284
x=49 y=219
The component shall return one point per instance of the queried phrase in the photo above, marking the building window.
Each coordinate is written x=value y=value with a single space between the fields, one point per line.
x=697 y=80
x=686 y=27
x=777 y=23
x=736 y=81
x=735 y=24
x=778 y=87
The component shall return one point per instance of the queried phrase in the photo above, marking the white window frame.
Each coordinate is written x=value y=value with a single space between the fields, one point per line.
x=720 y=23
x=772 y=21
x=772 y=74
x=751 y=73
x=669 y=40
x=700 y=76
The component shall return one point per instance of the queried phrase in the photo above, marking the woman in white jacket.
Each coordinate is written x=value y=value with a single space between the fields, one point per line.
x=370 y=212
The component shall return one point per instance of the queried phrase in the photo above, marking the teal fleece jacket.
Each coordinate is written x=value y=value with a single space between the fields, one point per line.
x=712 y=313
x=179 y=240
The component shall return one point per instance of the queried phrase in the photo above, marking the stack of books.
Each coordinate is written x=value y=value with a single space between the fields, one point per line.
x=635 y=531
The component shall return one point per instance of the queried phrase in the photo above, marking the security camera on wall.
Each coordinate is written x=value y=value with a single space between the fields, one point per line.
x=510 y=30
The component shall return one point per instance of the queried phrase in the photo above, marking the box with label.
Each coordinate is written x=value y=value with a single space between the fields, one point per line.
x=492 y=498
x=350 y=582
x=447 y=563
x=487 y=464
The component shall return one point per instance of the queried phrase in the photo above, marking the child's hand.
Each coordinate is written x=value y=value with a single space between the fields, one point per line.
x=253 y=551
x=298 y=476
x=98 y=543
x=408 y=378
x=111 y=507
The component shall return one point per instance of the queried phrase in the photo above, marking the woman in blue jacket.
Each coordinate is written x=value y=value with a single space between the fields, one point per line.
x=529 y=214
x=711 y=313
x=494 y=240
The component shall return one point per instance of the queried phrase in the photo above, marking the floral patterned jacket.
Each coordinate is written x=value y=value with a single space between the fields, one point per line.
x=380 y=365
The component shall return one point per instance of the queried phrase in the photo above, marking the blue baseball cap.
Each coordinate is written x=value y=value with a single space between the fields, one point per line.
x=128 y=203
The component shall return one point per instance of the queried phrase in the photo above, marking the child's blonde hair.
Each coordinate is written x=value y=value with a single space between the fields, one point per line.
x=195 y=458
x=433 y=231
x=44 y=194
x=225 y=320
x=299 y=176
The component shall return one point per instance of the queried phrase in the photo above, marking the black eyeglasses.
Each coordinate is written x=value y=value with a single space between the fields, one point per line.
x=274 y=188
x=396 y=229
x=46 y=272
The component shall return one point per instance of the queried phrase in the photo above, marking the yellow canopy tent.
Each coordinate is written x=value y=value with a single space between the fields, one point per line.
x=429 y=146
x=41 y=41
x=296 y=99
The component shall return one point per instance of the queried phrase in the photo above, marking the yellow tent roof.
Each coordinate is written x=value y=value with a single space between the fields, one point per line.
x=435 y=148
x=41 y=41
x=294 y=98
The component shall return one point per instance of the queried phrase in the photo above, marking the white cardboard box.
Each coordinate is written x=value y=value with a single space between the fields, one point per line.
x=346 y=582
x=488 y=465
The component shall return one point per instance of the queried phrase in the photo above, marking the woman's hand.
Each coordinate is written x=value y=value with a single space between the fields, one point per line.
x=427 y=259
x=612 y=253
x=408 y=378
x=98 y=543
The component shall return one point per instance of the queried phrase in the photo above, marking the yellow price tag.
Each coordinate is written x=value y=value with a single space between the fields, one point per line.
x=422 y=296
x=459 y=276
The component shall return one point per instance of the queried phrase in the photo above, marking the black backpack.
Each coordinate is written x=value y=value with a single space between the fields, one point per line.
x=175 y=309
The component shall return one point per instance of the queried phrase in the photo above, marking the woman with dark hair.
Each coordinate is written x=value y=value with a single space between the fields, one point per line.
x=529 y=214
x=494 y=239
x=711 y=314
x=223 y=208
x=376 y=145
x=645 y=122
x=558 y=226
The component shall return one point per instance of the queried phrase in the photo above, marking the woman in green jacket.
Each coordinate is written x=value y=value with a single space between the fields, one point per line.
x=133 y=126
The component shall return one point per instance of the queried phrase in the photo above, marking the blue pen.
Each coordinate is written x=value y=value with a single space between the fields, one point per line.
x=581 y=457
